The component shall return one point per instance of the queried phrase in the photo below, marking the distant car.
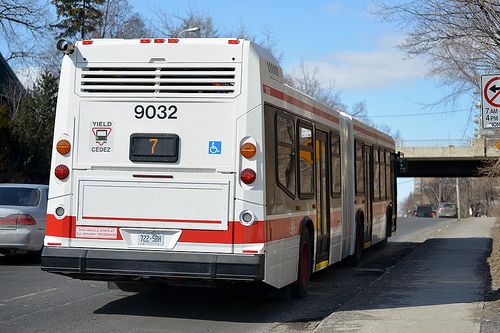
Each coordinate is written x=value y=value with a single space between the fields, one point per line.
x=23 y=208
x=447 y=209
x=423 y=211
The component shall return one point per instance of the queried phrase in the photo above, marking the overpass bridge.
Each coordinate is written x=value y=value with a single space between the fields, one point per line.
x=447 y=158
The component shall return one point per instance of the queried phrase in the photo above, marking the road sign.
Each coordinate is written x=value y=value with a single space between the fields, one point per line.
x=490 y=100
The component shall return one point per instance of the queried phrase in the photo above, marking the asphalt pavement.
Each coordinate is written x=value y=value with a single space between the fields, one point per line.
x=439 y=287
x=36 y=301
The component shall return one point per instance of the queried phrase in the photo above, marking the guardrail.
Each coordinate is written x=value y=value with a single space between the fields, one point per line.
x=435 y=143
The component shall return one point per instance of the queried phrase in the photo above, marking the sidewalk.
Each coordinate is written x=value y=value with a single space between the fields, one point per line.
x=439 y=287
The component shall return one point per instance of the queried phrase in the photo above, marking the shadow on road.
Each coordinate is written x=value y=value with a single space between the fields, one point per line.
x=329 y=289
x=20 y=260
x=439 y=271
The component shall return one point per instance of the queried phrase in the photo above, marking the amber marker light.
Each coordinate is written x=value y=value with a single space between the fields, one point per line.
x=63 y=147
x=248 y=150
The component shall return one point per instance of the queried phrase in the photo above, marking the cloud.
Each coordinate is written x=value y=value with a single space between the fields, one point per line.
x=382 y=67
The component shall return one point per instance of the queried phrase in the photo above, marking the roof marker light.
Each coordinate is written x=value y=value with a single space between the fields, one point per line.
x=159 y=40
x=87 y=42
x=233 y=41
x=145 y=40
x=173 y=40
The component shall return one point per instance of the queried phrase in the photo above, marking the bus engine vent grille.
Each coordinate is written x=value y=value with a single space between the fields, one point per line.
x=159 y=81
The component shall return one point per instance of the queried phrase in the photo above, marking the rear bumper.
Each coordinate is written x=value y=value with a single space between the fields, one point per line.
x=105 y=264
x=24 y=239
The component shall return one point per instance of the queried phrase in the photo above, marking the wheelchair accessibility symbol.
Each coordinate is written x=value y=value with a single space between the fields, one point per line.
x=214 y=147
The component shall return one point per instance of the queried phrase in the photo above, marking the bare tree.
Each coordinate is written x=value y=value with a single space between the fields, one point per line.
x=22 y=22
x=305 y=79
x=461 y=38
x=120 y=21
x=173 y=24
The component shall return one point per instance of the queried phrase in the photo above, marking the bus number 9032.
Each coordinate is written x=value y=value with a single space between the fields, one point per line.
x=151 y=112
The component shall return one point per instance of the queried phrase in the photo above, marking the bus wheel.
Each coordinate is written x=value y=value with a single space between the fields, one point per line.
x=299 y=288
x=358 y=249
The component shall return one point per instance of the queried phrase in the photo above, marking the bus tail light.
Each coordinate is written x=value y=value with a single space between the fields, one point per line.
x=248 y=150
x=61 y=171
x=63 y=147
x=248 y=176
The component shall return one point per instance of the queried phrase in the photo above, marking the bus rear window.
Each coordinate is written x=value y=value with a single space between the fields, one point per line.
x=18 y=196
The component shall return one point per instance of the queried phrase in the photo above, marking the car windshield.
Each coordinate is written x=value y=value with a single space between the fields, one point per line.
x=448 y=205
x=19 y=196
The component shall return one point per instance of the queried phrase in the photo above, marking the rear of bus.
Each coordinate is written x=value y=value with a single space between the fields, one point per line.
x=147 y=177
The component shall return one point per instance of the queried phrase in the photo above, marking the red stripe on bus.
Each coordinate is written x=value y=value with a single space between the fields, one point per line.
x=66 y=228
x=139 y=219
x=298 y=103
x=373 y=135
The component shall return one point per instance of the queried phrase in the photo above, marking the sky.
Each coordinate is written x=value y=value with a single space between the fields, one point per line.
x=353 y=49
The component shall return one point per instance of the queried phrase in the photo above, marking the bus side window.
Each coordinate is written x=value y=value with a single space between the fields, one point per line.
x=306 y=158
x=285 y=153
x=376 y=174
x=335 y=165
x=388 y=174
x=360 y=185
x=383 y=170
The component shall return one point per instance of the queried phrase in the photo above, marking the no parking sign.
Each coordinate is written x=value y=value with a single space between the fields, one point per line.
x=490 y=100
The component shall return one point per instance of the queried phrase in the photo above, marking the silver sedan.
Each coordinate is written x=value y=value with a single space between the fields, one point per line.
x=23 y=208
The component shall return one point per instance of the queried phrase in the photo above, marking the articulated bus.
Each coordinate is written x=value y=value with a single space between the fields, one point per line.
x=192 y=159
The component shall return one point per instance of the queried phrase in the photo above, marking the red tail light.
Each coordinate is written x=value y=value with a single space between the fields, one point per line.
x=61 y=171
x=25 y=219
x=173 y=40
x=21 y=219
x=248 y=176
x=9 y=220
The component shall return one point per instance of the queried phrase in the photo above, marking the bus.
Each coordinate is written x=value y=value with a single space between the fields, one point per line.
x=192 y=159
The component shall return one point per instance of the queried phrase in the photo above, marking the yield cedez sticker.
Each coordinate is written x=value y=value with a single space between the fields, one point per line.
x=101 y=137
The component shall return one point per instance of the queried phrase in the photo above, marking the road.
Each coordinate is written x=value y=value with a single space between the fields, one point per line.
x=36 y=301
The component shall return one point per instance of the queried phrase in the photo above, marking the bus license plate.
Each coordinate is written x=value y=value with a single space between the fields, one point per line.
x=151 y=239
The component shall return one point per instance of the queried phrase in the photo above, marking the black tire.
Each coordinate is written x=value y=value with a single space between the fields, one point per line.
x=299 y=287
x=358 y=249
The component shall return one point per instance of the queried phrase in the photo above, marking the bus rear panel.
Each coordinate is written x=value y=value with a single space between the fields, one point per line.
x=154 y=183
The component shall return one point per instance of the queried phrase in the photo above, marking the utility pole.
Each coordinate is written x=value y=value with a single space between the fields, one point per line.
x=439 y=193
x=458 y=199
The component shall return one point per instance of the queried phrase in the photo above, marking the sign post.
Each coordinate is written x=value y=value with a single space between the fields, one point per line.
x=490 y=100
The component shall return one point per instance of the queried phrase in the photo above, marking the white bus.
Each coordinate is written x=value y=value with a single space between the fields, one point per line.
x=192 y=159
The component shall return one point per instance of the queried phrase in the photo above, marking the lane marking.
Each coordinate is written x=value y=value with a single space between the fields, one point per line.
x=29 y=295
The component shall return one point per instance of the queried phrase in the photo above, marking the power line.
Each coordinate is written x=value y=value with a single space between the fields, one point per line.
x=416 y=114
